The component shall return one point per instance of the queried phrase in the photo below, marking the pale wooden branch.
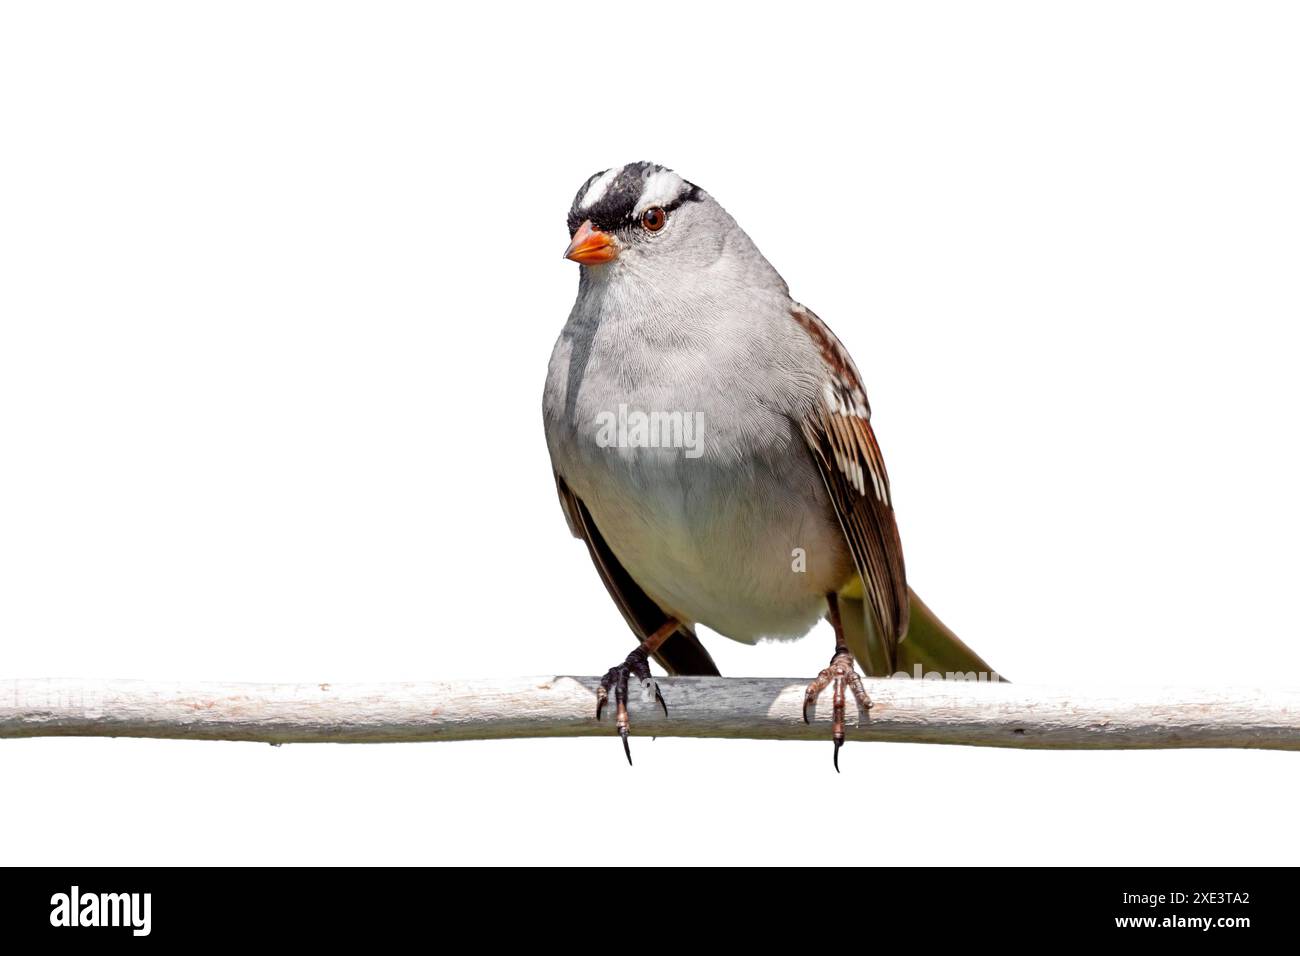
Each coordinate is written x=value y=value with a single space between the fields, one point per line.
x=950 y=712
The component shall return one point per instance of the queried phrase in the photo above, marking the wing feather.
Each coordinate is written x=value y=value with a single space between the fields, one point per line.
x=838 y=433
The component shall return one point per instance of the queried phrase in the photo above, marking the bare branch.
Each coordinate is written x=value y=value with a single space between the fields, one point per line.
x=951 y=712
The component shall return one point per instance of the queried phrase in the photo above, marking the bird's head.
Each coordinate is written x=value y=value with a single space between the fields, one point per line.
x=639 y=212
x=642 y=226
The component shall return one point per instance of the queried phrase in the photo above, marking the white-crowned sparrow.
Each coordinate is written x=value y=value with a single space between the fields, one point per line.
x=712 y=444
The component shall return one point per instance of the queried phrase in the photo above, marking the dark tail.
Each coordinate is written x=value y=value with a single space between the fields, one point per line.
x=682 y=655
x=929 y=643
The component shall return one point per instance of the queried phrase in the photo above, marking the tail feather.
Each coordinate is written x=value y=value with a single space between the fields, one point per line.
x=682 y=655
x=929 y=642
x=862 y=635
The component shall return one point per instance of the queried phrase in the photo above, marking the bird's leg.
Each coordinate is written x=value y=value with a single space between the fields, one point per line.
x=636 y=665
x=838 y=675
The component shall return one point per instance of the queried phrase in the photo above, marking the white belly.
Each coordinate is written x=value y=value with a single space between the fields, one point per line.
x=737 y=532
x=744 y=542
x=735 y=552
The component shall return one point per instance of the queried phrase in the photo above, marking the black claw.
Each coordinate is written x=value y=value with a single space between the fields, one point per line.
x=838 y=744
x=602 y=693
x=617 y=679
x=805 y=712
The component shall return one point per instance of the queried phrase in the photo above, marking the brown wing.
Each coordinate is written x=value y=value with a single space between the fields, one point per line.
x=682 y=654
x=838 y=432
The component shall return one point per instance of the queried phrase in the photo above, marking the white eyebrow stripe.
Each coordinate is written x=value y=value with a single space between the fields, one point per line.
x=597 y=189
x=661 y=188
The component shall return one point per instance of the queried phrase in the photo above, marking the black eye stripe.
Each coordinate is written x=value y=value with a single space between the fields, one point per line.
x=691 y=195
x=616 y=207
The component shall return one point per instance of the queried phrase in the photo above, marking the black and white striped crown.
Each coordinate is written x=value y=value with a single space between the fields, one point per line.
x=616 y=197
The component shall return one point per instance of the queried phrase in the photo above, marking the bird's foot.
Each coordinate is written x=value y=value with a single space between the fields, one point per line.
x=839 y=675
x=637 y=665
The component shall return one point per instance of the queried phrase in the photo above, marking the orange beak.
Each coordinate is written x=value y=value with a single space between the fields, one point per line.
x=590 y=246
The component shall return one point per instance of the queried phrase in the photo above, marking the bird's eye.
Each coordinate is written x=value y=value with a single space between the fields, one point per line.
x=654 y=218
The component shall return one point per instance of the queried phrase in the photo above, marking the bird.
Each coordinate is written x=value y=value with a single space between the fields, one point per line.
x=711 y=443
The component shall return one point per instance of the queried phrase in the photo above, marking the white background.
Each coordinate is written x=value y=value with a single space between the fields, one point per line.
x=278 y=285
